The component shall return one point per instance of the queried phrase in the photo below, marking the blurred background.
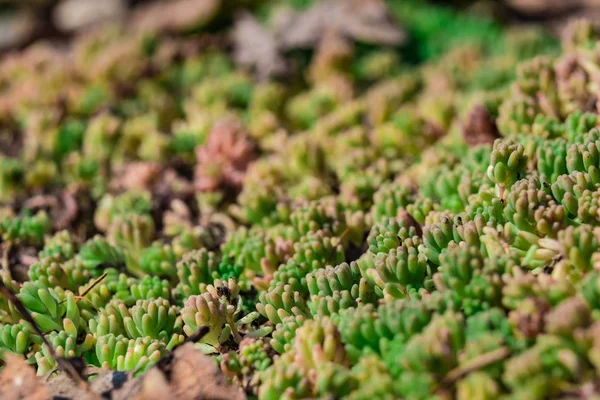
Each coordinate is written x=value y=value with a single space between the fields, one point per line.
x=25 y=21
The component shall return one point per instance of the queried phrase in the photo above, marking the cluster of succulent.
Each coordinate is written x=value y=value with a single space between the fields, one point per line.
x=420 y=222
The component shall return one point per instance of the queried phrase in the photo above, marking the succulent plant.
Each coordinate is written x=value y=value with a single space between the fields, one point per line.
x=27 y=228
x=219 y=308
x=59 y=247
x=15 y=339
x=68 y=275
x=98 y=252
x=158 y=260
x=281 y=301
x=65 y=345
x=122 y=354
x=507 y=163
x=52 y=310
x=382 y=221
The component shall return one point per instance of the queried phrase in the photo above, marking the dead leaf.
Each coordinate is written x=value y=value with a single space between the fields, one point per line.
x=62 y=207
x=480 y=127
x=548 y=7
x=257 y=48
x=367 y=21
x=187 y=374
x=105 y=382
x=408 y=220
x=72 y=15
x=175 y=15
x=61 y=386
x=18 y=381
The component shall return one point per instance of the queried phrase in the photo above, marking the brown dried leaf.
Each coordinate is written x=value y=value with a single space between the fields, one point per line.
x=62 y=206
x=170 y=187
x=105 y=381
x=19 y=259
x=185 y=375
x=61 y=386
x=70 y=211
x=18 y=381
x=257 y=48
x=175 y=15
x=362 y=20
x=480 y=127
x=547 y=7
x=408 y=220
x=529 y=318
x=73 y=15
